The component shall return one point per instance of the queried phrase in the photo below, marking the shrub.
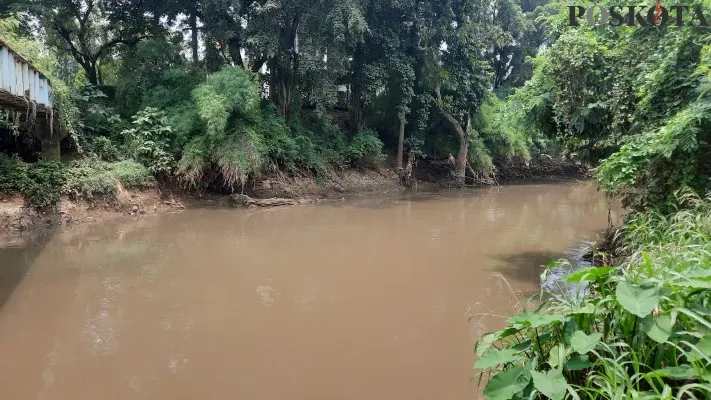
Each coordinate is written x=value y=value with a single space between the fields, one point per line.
x=366 y=149
x=229 y=145
x=132 y=174
x=89 y=180
x=40 y=183
x=149 y=140
x=13 y=174
x=43 y=187
x=103 y=148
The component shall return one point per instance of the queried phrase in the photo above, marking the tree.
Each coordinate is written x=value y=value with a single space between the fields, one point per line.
x=510 y=37
x=389 y=63
x=451 y=44
x=90 y=30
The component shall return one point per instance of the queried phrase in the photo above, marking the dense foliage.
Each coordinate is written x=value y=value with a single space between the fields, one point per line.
x=639 y=331
x=634 y=99
x=259 y=87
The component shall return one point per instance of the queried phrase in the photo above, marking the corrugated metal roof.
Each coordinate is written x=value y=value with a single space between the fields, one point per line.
x=20 y=82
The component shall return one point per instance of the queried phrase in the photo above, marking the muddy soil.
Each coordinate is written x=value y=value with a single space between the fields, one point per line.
x=279 y=189
x=17 y=221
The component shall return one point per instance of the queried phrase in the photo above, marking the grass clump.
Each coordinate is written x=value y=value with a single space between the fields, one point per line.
x=639 y=331
x=90 y=179
x=131 y=174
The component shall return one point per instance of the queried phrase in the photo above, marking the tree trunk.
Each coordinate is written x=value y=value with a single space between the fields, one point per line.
x=283 y=98
x=194 y=35
x=462 y=156
x=235 y=50
x=461 y=167
x=358 y=112
x=401 y=143
x=92 y=74
x=99 y=77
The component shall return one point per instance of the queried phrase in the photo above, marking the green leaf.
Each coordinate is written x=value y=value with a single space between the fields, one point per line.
x=678 y=373
x=578 y=362
x=658 y=329
x=508 y=332
x=534 y=320
x=638 y=300
x=704 y=346
x=698 y=272
x=494 y=357
x=588 y=274
x=485 y=342
x=695 y=284
x=583 y=343
x=551 y=384
x=557 y=355
x=506 y=384
x=523 y=346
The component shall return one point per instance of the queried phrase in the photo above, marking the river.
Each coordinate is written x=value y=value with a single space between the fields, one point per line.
x=370 y=298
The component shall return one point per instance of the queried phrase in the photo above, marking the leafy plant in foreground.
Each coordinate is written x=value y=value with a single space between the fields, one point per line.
x=640 y=331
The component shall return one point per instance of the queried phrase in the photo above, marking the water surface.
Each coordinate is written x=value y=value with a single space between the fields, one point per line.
x=371 y=298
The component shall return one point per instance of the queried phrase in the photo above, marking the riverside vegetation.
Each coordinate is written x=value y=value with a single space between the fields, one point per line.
x=211 y=95
x=638 y=327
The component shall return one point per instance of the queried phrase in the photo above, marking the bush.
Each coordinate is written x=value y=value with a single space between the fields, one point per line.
x=132 y=174
x=40 y=183
x=13 y=174
x=229 y=145
x=103 y=148
x=43 y=187
x=89 y=179
x=366 y=149
x=149 y=140
x=641 y=331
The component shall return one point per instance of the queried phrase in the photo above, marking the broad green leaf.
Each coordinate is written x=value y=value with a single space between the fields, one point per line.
x=658 y=329
x=523 y=346
x=704 y=346
x=506 y=384
x=588 y=274
x=638 y=300
x=678 y=373
x=556 y=354
x=583 y=343
x=695 y=284
x=578 y=362
x=551 y=384
x=698 y=272
x=494 y=357
x=534 y=320
x=508 y=332
x=485 y=342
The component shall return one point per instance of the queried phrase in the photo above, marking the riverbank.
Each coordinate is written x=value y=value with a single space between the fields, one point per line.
x=278 y=189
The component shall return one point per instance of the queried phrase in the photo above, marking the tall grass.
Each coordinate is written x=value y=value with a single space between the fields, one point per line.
x=639 y=330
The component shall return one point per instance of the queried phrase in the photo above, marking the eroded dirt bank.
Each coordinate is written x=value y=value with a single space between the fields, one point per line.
x=280 y=189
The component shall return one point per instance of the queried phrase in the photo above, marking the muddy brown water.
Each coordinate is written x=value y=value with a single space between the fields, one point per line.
x=371 y=298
